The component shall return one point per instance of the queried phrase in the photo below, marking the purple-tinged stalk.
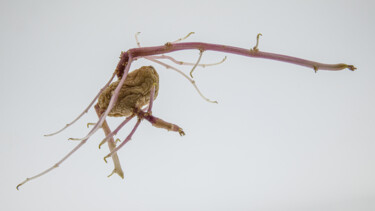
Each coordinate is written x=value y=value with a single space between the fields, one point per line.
x=254 y=52
x=159 y=123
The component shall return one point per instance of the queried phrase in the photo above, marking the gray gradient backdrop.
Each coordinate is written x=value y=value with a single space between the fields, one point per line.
x=281 y=137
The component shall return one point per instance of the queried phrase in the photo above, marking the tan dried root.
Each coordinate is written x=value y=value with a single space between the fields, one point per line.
x=135 y=93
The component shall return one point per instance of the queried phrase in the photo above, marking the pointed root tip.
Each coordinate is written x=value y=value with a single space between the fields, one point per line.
x=351 y=67
x=101 y=143
x=120 y=173
x=111 y=173
x=75 y=139
x=225 y=58
x=105 y=159
x=51 y=134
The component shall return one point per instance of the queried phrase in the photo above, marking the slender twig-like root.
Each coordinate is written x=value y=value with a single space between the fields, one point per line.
x=255 y=48
x=150 y=58
x=186 y=63
x=96 y=127
x=183 y=74
x=86 y=110
x=199 y=59
x=183 y=38
x=113 y=133
x=137 y=40
x=111 y=145
x=54 y=166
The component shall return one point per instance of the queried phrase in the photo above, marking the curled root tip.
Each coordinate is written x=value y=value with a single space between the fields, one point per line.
x=212 y=101
x=18 y=186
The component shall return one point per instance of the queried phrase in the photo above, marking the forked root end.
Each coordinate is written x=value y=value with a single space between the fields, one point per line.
x=351 y=67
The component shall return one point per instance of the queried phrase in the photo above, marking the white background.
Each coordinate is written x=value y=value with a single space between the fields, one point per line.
x=281 y=137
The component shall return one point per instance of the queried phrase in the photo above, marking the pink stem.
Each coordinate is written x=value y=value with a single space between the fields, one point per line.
x=171 y=47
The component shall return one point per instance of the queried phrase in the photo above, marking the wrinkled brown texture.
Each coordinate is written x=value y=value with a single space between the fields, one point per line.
x=135 y=93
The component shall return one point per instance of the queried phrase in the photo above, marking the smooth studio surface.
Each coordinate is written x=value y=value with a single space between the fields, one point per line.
x=281 y=137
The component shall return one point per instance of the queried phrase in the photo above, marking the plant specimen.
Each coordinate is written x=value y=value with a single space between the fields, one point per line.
x=133 y=94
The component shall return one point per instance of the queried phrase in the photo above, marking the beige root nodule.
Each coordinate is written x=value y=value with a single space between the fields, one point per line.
x=134 y=94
